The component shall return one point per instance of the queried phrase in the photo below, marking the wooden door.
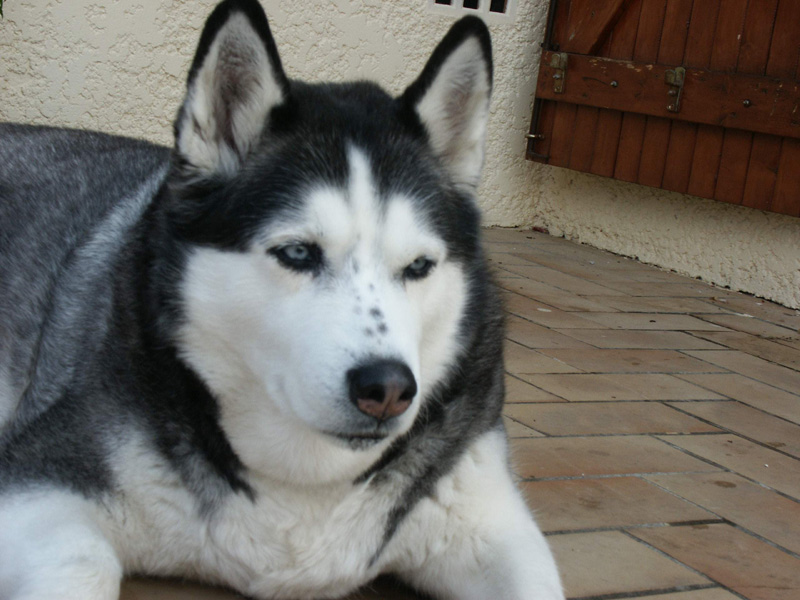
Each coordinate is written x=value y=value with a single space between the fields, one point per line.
x=694 y=96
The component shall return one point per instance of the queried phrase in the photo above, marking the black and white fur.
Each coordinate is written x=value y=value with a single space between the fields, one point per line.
x=180 y=335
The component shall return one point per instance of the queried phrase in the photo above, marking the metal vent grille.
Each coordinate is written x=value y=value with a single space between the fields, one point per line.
x=491 y=11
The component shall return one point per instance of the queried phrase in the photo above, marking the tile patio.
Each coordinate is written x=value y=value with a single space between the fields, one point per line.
x=655 y=425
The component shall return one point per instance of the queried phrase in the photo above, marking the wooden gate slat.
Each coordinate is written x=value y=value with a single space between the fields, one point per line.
x=563 y=130
x=708 y=144
x=762 y=172
x=563 y=133
x=648 y=39
x=680 y=153
x=784 y=58
x=654 y=151
x=728 y=35
x=583 y=136
x=736 y=145
x=606 y=142
x=550 y=110
x=588 y=27
x=585 y=131
x=700 y=40
x=609 y=122
x=784 y=53
x=787 y=187
x=682 y=136
x=755 y=47
x=578 y=119
x=591 y=22
x=706 y=161
x=658 y=130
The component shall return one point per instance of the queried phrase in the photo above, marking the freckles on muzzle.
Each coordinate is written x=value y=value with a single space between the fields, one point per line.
x=382 y=389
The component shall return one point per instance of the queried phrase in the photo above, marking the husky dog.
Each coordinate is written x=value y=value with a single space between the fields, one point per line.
x=270 y=358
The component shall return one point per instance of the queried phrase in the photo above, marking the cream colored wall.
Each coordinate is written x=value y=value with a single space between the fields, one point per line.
x=119 y=66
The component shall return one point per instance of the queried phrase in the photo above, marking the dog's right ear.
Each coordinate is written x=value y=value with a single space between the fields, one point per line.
x=451 y=99
x=235 y=81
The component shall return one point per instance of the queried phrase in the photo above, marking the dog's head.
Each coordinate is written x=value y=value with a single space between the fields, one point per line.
x=329 y=243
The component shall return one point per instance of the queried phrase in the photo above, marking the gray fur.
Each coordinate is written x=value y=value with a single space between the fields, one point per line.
x=69 y=199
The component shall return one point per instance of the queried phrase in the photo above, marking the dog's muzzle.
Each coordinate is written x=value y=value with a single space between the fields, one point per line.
x=382 y=389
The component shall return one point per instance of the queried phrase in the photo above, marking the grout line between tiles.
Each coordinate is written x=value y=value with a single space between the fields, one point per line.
x=784 y=341
x=718 y=583
x=697 y=456
x=670 y=557
x=742 y=402
x=737 y=433
x=724 y=519
x=620 y=528
x=565 y=401
x=761 y=538
x=518 y=422
x=550 y=304
x=759 y=319
x=608 y=435
x=740 y=375
x=725 y=469
x=772 y=363
x=615 y=475
x=532 y=385
x=647 y=593
x=676 y=373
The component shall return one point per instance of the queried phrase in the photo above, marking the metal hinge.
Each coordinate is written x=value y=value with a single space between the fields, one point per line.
x=559 y=63
x=674 y=79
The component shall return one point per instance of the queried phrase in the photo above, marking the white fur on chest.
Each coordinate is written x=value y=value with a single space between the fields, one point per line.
x=289 y=542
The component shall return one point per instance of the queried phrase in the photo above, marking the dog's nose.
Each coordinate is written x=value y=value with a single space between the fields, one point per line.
x=382 y=389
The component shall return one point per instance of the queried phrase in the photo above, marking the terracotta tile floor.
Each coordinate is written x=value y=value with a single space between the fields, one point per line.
x=655 y=425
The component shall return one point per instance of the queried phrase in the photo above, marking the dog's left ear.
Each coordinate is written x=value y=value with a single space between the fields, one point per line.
x=451 y=99
x=235 y=81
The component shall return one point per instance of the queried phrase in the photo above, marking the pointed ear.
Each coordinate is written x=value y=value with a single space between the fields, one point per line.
x=451 y=99
x=235 y=80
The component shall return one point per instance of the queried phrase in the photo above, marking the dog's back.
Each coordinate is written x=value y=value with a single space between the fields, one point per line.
x=66 y=199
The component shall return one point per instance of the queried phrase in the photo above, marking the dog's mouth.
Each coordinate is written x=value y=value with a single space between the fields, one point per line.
x=359 y=441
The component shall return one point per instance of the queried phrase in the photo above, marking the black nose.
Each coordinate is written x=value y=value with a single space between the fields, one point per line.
x=382 y=389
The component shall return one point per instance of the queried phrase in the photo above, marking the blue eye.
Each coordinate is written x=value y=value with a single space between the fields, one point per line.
x=419 y=269
x=297 y=252
x=299 y=256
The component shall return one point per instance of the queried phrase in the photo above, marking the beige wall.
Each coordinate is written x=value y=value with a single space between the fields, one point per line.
x=119 y=66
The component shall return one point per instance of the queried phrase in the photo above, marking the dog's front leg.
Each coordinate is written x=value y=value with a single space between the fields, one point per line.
x=474 y=538
x=50 y=547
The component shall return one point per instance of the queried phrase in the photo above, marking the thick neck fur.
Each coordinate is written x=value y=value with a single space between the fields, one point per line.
x=178 y=407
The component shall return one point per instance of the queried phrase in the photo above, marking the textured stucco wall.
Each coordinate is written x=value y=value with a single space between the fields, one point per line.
x=119 y=66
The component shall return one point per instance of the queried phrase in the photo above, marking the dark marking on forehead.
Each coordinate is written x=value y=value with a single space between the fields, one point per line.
x=382 y=328
x=368 y=332
x=375 y=312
